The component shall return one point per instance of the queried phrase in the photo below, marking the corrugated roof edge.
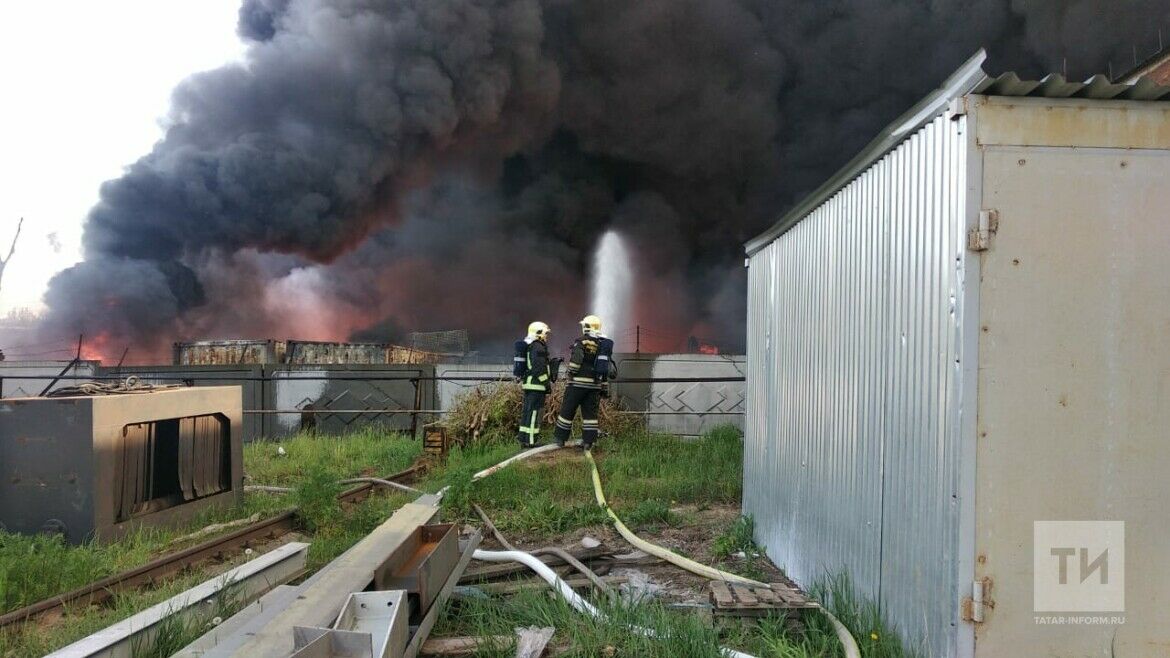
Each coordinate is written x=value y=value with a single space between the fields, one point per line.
x=970 y=78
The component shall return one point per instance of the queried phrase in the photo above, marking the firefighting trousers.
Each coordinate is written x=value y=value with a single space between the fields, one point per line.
x=530 y=418
x=589 y=401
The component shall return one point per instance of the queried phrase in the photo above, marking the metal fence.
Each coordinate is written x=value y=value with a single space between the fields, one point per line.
x=283 y=400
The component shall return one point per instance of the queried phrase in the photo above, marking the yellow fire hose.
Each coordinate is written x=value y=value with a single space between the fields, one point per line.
x=656 y=550
x=843 y=634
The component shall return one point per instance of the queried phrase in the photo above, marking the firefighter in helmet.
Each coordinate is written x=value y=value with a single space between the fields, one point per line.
x=531 y=364
x=590 y=369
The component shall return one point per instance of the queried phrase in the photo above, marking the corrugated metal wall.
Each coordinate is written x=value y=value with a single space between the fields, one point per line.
x=852 y=437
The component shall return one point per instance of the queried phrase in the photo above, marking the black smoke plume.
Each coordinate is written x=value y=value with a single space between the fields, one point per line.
x=379 y=166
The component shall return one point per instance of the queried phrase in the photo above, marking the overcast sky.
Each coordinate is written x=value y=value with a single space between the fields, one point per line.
x=85 y=87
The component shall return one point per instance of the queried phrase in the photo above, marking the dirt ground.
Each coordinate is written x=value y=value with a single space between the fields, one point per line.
x=666 y=582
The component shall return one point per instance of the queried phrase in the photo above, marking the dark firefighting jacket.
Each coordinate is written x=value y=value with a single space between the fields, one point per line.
x=536 y=367
x=591 y=362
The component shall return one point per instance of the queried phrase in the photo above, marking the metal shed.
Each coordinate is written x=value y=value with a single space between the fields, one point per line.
x=959 y=344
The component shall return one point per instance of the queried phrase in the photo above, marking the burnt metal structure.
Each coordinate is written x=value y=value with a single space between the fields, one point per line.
x=96 y=467
x=297 y=352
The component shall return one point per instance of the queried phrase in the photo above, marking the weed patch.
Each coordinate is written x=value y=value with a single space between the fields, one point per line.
x=651 y=513
x=316 y=499
x=680 y=636
x=875 y=637
x=737 y=538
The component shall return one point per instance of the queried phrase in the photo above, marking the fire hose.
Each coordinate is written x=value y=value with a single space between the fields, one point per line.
x=549 y=550
x=579 y=604
x=656 y=550
x=843 y=634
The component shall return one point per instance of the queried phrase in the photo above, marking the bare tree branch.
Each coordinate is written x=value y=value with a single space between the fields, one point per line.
x=11 y=249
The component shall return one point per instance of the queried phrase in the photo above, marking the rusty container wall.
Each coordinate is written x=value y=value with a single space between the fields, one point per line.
x=97 y=467
x=1074 y=365
x=400 y=354
x=302 y=352
x=323 y=353
x=229 y=352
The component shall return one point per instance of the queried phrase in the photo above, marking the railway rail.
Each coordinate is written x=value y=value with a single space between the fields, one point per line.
x=177 y=562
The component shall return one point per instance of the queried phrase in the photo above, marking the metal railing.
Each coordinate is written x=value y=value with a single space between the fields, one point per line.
x=416 y=411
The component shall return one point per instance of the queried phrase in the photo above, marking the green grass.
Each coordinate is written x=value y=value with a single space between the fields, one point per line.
x=36 y=640
x=737 y=538
x=650 y=513
x=364 y=452
x=875 y=637
x=175 y=632
x=644 y=476
x=681 y=636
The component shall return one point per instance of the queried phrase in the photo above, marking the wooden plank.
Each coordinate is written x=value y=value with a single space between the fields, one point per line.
x=766 y=595
x=720 y=595
x=514 y=587
x=320 y=601
x=464 y=646
x=744 y=596
x=476 y=578
x=491 y=571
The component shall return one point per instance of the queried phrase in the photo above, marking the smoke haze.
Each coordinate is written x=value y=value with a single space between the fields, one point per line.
x=381 y=166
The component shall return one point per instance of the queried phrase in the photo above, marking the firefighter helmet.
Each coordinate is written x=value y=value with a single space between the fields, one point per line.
x=591 y=324
x=539 y=330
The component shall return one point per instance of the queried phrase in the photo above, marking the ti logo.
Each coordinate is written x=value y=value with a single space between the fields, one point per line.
x=1079 y=566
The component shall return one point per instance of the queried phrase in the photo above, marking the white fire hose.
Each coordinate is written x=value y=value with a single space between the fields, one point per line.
x=843 y=635
x=579 y=604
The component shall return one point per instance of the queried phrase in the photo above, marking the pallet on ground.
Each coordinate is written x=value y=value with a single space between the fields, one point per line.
x=733 y=599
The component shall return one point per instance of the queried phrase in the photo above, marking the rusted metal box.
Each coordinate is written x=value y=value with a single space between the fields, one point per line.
x=229 y=352
x=95 y=467
x=420 y=566
x=296 y=352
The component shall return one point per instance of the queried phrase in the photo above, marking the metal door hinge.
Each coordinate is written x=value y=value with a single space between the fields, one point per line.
x=975 y=605
x=979 y=239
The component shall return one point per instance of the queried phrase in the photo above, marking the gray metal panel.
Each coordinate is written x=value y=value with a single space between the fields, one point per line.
x=682 y=408
x=345 y=388
x=851 y=461
x=1097 y=87
x=20 y=388
x=449 y=391
x=1074 y=379
x=47 y=468
x=244 y=376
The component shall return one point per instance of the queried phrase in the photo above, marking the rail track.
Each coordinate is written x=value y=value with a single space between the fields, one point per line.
x=174 y=563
